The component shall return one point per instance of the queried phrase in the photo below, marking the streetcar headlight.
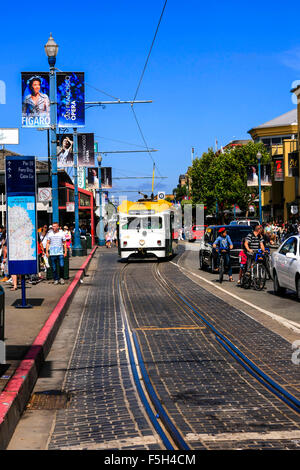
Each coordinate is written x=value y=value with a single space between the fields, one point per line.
x=159 y=242
x=124 y=243
x=142 y=242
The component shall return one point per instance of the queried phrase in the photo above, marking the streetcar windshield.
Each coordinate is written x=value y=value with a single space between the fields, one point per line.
x=137 y=223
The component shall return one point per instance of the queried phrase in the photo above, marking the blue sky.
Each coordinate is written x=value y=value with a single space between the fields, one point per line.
x=216 y=70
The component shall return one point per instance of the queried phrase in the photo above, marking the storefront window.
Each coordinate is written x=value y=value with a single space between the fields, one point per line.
x=62 y=196
x=84 y=200
x=71 y=195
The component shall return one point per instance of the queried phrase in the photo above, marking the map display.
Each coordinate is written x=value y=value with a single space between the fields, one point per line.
x=22 y=237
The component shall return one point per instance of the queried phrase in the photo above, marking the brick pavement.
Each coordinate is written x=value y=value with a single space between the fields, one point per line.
x=105 y=410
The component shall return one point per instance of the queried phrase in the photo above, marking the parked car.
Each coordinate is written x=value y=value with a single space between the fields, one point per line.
x=286 y=266
x=196 y=232
x=208 y=255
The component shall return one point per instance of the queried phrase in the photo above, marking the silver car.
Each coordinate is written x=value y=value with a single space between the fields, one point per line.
x=286 y=266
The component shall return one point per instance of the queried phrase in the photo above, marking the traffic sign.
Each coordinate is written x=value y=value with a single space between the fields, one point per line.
x=44 y=194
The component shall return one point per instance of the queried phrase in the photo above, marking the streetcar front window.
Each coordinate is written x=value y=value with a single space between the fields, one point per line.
x=133 y=223
x=145 y=223
x=152 y=223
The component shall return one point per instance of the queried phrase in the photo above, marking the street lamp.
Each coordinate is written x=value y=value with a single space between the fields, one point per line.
x=101 y=240
x=51 y=49
x=258 y=156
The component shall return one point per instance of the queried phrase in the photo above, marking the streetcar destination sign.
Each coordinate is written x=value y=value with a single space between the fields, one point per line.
x=142 y=212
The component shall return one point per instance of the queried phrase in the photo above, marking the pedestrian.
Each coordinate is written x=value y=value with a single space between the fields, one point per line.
x=56 y=251
x=14 y=282
x=242 y=261
x=68 y=237
x=108 y=239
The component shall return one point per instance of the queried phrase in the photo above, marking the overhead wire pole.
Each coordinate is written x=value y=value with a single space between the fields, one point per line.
x=89 y=104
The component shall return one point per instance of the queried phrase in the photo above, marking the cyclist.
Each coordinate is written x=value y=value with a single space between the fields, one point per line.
x=223 y=241
x=253 y=243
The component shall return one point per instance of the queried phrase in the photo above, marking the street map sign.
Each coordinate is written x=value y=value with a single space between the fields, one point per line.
x=21 y=215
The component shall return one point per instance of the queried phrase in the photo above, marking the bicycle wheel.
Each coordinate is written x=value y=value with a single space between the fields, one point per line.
x=259 y=278
x=221 y=269
x=246 y=280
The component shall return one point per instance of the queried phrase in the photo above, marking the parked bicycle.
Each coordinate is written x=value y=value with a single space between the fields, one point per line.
x=255 y=276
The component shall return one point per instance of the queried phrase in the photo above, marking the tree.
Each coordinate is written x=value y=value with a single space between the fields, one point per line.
x=222 y=177
x=180 y=192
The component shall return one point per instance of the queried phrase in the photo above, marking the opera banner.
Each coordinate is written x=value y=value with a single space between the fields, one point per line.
x=86 y=152
x=278 y=169
x=93 y=180
x=35 y=99
x=70 y=99
x=65 y=156
x=106 y=178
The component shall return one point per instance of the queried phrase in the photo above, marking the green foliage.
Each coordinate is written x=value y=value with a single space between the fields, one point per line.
x=222 y=177
x=180 y=192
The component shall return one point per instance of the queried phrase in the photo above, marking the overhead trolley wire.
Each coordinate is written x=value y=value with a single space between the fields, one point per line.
x=149 y=53
x=140 y=81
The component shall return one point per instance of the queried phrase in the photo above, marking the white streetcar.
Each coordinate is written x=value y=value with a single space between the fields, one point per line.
x=147 y=228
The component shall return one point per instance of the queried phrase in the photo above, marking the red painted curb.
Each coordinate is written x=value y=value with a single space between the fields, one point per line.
x=29 y=365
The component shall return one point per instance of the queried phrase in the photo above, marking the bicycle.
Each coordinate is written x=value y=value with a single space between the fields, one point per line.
x=222 y=254
x=257 y=274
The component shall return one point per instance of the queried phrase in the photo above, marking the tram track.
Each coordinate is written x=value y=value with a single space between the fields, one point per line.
x=234 y=351
x=170 y=433
x=158 y=416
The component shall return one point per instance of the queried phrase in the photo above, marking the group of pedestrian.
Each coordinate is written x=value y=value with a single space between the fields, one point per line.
x=276 y=232
x=53 y=245
x=111 y=238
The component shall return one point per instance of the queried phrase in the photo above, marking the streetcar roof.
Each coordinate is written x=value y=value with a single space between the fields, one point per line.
x=150 y=207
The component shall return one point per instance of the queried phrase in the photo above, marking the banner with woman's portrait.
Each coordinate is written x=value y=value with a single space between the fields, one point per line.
x=252 y=176
x=65 y=156
x=35 y=99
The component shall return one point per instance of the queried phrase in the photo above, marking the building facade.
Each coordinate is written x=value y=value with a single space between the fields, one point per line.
x=280 y=135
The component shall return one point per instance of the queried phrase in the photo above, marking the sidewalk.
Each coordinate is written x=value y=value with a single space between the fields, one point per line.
x=29 y=334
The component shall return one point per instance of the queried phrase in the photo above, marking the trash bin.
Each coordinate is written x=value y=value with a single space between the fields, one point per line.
x=83 y=246
x=89 y=241
x=49 y=274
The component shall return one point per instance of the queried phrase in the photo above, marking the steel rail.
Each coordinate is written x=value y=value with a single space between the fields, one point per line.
x=161 y=413
x=250 y=366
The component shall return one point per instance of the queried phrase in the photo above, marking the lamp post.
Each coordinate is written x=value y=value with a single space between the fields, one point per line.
x=101 y=239
x=51 y=49
x=258 y=156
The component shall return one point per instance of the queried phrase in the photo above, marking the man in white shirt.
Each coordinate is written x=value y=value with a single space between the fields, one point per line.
x=56 y=250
